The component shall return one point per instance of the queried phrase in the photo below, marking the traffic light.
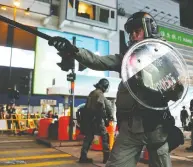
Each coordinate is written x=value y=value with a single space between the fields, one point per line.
x=24 y=82
x=67 y=62
x=71 y=77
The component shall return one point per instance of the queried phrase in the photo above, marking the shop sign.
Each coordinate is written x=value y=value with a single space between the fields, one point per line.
x=48 y=101
x=176 y=36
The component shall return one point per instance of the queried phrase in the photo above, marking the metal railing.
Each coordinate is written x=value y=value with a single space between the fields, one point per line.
x=16 y=123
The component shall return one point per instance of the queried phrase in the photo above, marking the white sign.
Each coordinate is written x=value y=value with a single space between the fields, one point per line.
x=3 y=125
x=48 y=101
x=109 y=3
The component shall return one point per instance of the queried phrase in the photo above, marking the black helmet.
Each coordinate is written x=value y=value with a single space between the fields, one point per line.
x=103 y=84
x=142 y=20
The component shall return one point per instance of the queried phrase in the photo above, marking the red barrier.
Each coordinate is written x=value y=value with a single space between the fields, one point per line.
x=97 y=142
x=63 y=128
x=43 y=127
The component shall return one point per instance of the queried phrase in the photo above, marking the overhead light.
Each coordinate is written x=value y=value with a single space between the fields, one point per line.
x=27 y=11
x=16 y=3
x=3 y=8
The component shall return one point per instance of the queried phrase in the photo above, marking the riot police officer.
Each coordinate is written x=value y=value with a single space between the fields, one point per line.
x=135 y=130
x=96 y=116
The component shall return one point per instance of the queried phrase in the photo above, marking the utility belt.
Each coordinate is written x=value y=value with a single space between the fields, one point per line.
x=99 y=119
x=150 y=119
x=96 y=117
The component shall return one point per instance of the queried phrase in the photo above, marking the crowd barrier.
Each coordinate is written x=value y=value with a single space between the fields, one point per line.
x=62 y=128
x=112 y=131
x=19 y=122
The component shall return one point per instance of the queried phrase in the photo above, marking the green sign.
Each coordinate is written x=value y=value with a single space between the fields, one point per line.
x=176 y=36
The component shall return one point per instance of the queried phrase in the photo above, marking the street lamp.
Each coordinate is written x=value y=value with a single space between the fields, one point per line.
x=16 y=3
x=3 y=8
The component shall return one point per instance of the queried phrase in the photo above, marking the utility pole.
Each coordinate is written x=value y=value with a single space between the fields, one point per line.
x=15 y=5
x=72 y=77
x=29 y=92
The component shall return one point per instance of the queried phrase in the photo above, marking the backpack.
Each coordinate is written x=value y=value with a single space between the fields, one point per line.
x=84 y=119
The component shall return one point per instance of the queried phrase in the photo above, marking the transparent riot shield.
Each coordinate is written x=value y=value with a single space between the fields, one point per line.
x=155 y=74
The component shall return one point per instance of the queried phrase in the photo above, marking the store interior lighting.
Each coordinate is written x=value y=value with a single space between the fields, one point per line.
x=6 y=8
x=3 y=8
x=16 y=3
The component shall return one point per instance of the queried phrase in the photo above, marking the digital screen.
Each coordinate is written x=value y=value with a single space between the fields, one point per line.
x=46 y=68
x=19 y=58
x=5 y=56
x=22 y=58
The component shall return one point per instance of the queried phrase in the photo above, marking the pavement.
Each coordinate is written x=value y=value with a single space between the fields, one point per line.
x=180 y=157
x=24 y=151
x=18 y=151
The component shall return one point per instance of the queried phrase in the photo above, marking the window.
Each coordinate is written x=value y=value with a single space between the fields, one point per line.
x=85 y=10
x=90 y=11
x=23 y=39
x=3 y=32
x=104 y=15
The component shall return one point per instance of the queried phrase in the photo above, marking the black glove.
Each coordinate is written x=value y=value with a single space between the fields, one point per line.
x=62 y=44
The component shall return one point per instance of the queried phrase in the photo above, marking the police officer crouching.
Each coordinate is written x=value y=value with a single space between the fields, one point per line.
x=95 y=116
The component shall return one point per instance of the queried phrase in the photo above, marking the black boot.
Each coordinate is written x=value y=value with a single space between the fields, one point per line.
x=85 y=159
x=106 y=155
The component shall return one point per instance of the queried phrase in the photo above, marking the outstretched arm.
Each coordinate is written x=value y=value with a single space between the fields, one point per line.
x=85 y=57
x=100 y=63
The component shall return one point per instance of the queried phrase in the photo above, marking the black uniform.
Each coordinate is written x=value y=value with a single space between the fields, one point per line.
x=98 y=111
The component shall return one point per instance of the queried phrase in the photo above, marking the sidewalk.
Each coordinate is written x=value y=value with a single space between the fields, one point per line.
x=179 y=154
x=74 y=147
x=181 y=151
x=75 y=151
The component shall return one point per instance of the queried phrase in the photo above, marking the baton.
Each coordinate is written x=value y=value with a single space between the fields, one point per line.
x=24 y=27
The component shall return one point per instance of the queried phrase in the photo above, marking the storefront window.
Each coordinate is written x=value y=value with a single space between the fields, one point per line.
x=90 y=11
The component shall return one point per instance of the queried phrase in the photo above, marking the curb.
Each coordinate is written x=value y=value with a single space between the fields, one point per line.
x=56 y=143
